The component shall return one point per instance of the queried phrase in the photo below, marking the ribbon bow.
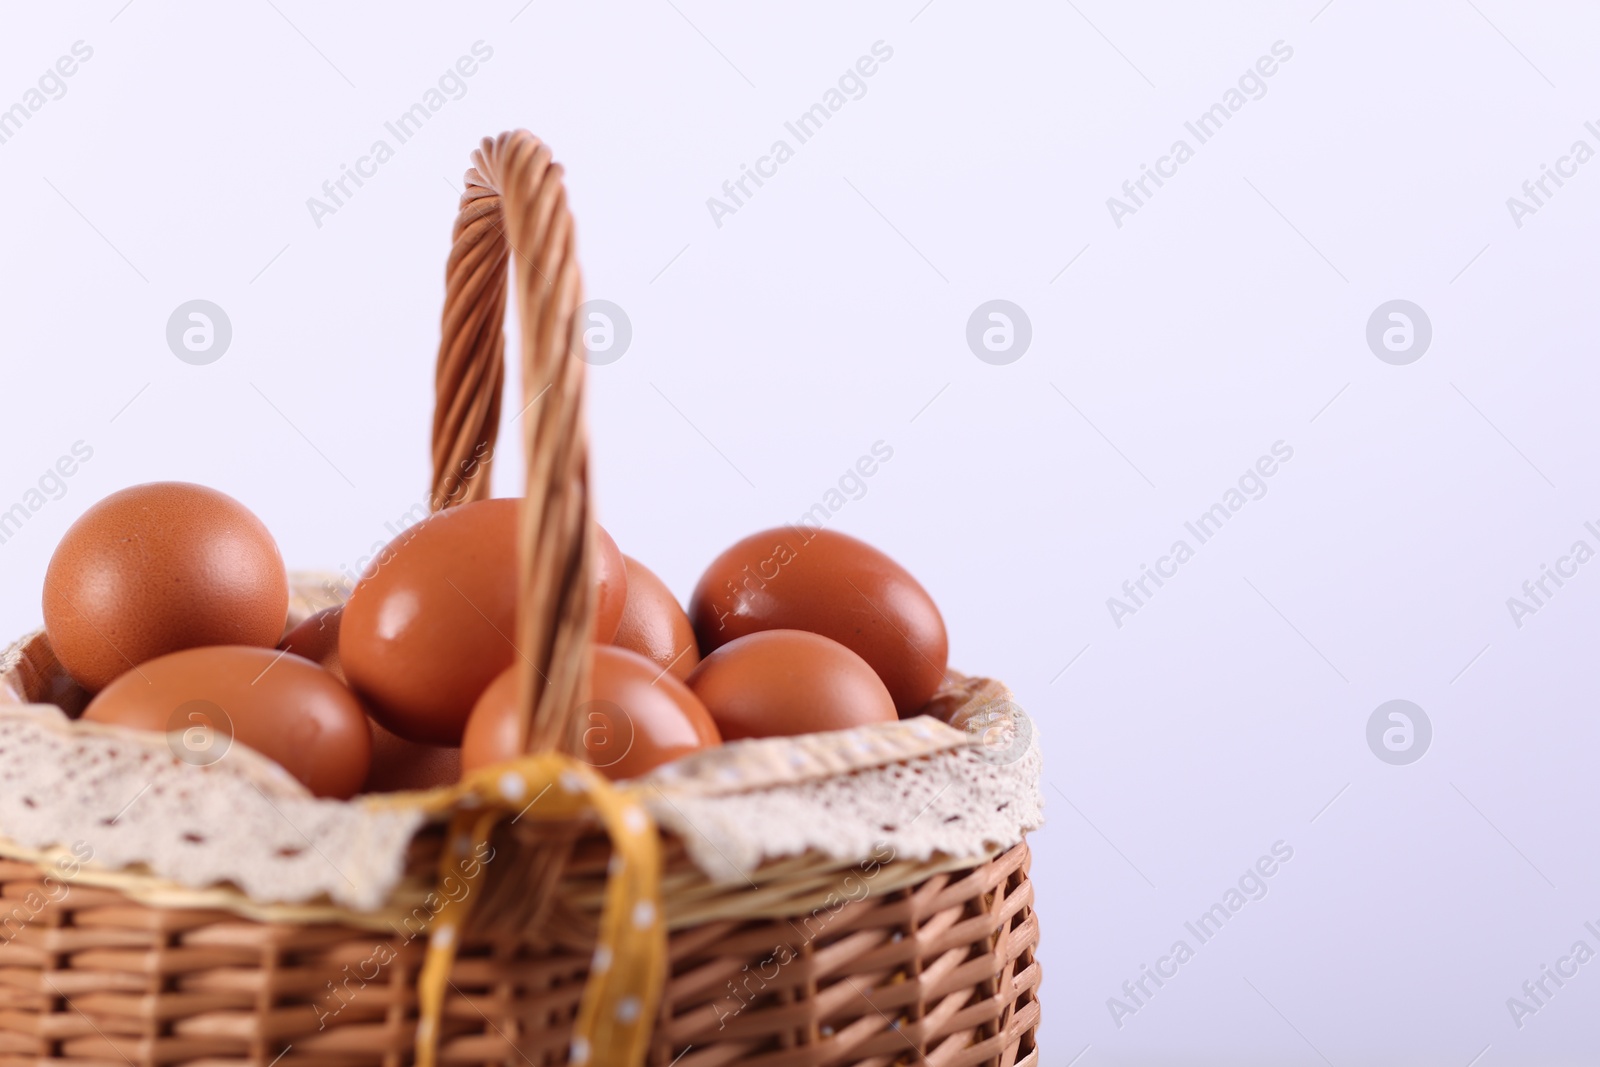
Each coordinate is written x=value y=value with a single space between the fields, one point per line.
x=626 y=975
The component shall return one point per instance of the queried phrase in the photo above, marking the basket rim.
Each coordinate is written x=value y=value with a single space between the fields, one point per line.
x=733 y=769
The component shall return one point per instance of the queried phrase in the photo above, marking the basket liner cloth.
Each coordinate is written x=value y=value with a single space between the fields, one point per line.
x=120 y=800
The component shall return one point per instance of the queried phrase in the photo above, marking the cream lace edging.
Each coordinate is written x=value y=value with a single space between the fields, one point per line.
x=122 y=806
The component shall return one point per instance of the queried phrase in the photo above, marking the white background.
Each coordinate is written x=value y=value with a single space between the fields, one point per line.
x=830 y=312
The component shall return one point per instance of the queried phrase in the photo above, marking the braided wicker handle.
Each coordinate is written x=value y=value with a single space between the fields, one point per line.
x=515 y=202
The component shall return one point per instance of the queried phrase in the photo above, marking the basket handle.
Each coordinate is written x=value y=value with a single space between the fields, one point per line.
x=515 y=201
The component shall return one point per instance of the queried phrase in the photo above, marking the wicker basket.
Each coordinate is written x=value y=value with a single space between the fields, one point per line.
x=587 y=934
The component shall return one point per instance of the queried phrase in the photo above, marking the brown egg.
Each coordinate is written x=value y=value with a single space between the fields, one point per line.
x=833 y=585
x=491 y=734
x=286 y=708
x=433 y=619
x=398 y=764
x=637 y=718
x=156 y=568
x=611 y=586
x=317 y=639
x=654 y=625
x=779 y=683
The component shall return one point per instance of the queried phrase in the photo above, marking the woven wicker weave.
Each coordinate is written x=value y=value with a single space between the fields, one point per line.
x=942 y=971
x=935 y=964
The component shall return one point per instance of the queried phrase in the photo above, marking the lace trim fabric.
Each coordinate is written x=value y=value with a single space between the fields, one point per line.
x=118 y=801
x=124 y=801
x=959 y=802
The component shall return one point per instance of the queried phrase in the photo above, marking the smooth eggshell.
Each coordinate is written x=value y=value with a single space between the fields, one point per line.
x=285 y=707
x=157 y=568
x=397 y=764
x=655 y=625
x=830 y=584
x=779 y=683
x=317 y=639
x=610 y=584
x=432 y=620
x=491 y=736
x=637 y=719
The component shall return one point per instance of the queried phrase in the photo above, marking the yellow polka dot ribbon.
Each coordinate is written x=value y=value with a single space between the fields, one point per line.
x=629 y=966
